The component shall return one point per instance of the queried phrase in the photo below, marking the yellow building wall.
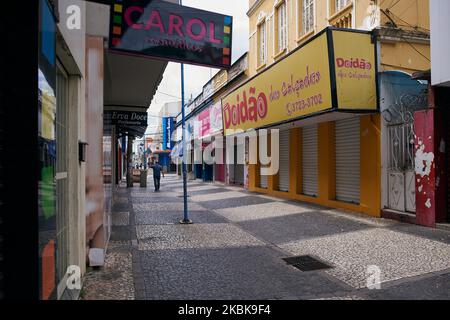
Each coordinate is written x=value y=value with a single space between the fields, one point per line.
x=366 y=14
x=401 y=56
x=415 y=14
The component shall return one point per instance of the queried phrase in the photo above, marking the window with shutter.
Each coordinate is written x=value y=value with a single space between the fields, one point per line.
x=307 y=16
x=282 y=26
x=262 y=44
x=341 y=4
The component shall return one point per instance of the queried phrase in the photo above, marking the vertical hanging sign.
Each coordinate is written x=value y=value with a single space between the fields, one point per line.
x=168 y=31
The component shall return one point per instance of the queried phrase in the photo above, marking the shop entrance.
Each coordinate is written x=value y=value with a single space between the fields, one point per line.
x=236 y=169
x=401 y=176
x=219 y=166
x=309 y=161
x=262 y=178
x=347 y=146
x=283 y=174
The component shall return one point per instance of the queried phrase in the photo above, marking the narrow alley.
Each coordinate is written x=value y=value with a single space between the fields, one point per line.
x=236 y=246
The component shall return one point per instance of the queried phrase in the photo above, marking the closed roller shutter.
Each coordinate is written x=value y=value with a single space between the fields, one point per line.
x=239 y=167
x=231 y=173
x=219 y=172
x=239 y=174
x=347 y=160
x=219 y=168
x=284 y=161
x=262 y=180
x=309 y=161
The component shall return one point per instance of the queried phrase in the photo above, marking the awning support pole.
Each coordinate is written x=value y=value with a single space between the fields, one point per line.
x=186 y=219
x=130 y=162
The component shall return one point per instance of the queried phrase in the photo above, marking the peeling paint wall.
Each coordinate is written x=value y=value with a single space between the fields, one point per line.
x=424 y=166
x=424 y=161
x=429 y=166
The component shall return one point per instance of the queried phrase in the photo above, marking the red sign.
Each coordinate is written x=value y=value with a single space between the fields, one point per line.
x=204 y=123
x=249 y=107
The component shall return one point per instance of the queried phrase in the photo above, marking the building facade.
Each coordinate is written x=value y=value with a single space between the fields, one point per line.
x=439 y=117
x=342 y=160
x=61 y=131
x=92 y=104
x=204 y=127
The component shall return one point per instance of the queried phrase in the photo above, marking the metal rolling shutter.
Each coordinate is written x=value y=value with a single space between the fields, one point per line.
x=262 y=180
x=347 y=160
x=236 y=170
x=239 y=166
x=231 y=173
x=239 y=174
x=309 y=160
x=230 y=161
x=284 y=161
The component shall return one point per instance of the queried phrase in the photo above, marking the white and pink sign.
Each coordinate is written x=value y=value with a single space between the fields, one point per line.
x=204 y=123
x=216 y=123
x=208 y=122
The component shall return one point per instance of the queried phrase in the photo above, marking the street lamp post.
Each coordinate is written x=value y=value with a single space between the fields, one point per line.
x=186 y=219
x=145 y=159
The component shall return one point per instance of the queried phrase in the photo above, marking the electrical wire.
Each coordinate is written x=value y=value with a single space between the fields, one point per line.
x=169 y=95
x=392 y=6
x=415 y=49
x=388 y=14
x=414 y=27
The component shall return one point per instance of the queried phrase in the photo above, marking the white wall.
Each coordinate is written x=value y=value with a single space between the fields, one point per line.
x=72 y=12
x=440 y=42
x=71 y=51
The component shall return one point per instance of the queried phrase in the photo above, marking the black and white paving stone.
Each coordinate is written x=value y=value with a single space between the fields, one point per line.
x=235 y=247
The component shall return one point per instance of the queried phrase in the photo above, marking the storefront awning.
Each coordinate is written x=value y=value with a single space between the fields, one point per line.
x=130 y=84
x=332 y=75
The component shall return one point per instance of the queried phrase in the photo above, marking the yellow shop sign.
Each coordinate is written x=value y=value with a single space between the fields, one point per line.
x=334 y=71
x=355 y=70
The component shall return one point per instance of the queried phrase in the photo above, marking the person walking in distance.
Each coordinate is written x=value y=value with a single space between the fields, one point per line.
x=157 y=171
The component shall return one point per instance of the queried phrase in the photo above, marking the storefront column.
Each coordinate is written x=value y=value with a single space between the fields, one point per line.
x=130 y=162
x=253 y=170
x=272 y=180
x=295 y=147
x=326 y=162
x=252 y=176
x=370 y=164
